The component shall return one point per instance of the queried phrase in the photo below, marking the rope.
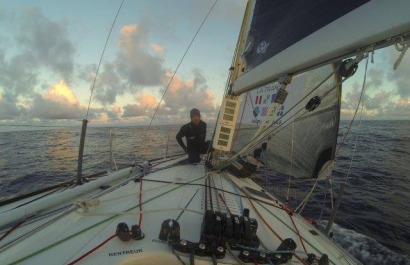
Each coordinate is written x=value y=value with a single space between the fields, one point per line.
x=236 y=190
x=323 y=206
x=280 y=220
x=101 y=57
x=14 y=227
x=180 y=62
x=186 y=206
x=92 y=250
x=139 y=212
x=255 y=139
x=297 y=232
x=140 y=203
x=273 y=231
x=223 y=201
x=90 y=227
x=305 y=200
x=176 y=254
x=360 y=121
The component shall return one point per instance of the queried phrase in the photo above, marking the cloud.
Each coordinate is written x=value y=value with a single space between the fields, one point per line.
x=134 y=63
x=59 y=102
x=387 y=94
x=133 y=68
x=158 y=49
x=180 y=98
x=47 y=41
x=144 y=108
x=185 y=95
x=400 y=76
x=109 y=85
x=41 y=44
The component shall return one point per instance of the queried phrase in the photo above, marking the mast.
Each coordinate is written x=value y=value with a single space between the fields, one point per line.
x=238 y=64
x=226 y=123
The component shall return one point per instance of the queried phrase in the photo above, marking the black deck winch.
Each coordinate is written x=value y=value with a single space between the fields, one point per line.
x=217 y=229
x=123 y=232
x=287 y=245
x=169 y=230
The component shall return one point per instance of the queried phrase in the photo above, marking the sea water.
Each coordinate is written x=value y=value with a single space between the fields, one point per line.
x=373 y=221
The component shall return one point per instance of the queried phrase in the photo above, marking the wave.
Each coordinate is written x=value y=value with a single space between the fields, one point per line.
x=365 y=249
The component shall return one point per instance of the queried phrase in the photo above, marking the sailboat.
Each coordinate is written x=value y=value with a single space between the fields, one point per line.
x=283 y=96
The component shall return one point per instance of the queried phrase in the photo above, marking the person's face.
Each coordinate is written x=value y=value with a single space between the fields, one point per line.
x=196 y=119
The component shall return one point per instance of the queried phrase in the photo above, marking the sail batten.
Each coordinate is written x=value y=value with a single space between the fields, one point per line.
x=367 y=24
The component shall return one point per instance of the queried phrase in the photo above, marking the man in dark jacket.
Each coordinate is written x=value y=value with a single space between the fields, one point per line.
x=195 y=134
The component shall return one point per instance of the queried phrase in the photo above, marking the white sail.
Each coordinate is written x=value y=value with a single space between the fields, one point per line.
x=302 y=141
x=287 y=37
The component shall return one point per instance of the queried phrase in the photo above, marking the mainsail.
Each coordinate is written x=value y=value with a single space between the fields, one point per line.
x=303 y=140
x=297 y=35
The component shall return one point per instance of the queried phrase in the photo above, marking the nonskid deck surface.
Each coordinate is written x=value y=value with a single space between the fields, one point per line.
x=181 y=193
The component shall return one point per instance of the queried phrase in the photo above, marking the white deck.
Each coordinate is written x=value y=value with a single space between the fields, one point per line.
x=75 y=232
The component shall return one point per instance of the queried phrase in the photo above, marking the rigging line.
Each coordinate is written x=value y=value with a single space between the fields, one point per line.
x=297 y=231
x=303 y=203
x=354 y=115
x=138 y=212
x=254 y=142
x=140 y=203
x=285 y=224
x=217 y=189
x=101 y=57
x=210 y=194
x=323 y=206
x=216 y=193
x=360 y=121
x=236 y=190
x=92 y=226
x=180 y=62
x=14 y=227
x=271 y=229
x=186 y=206
x=206 y=196
x=92 y=250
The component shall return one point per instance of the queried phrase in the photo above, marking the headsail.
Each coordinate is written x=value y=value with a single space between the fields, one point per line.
x=303 y=141
x=298 y=35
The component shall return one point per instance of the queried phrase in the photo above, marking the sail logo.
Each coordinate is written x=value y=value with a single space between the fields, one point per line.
x=262 y=47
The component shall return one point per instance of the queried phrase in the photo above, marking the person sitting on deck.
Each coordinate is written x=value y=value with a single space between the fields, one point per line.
x=195 y=134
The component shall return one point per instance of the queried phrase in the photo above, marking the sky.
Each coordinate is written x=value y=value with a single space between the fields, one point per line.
x=49 y=51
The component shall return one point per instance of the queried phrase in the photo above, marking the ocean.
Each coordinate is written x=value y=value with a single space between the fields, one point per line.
x=373 y=221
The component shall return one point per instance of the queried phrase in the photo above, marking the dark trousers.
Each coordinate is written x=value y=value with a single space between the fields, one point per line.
x=195 y=150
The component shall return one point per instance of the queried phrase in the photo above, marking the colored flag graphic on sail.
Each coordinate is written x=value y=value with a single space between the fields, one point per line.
x=258 y=99
x=264 y=111
x=264 y=99
x=280 y=111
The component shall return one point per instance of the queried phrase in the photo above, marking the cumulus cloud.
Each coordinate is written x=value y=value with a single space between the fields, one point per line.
x=59 y=102
x=180 y=98
x=184 y=95
x=400 y=76
x=134 y=67
x=42 y=44
x=383 y=98
x=158 y=49
x=144 y=108
x=47 y=41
